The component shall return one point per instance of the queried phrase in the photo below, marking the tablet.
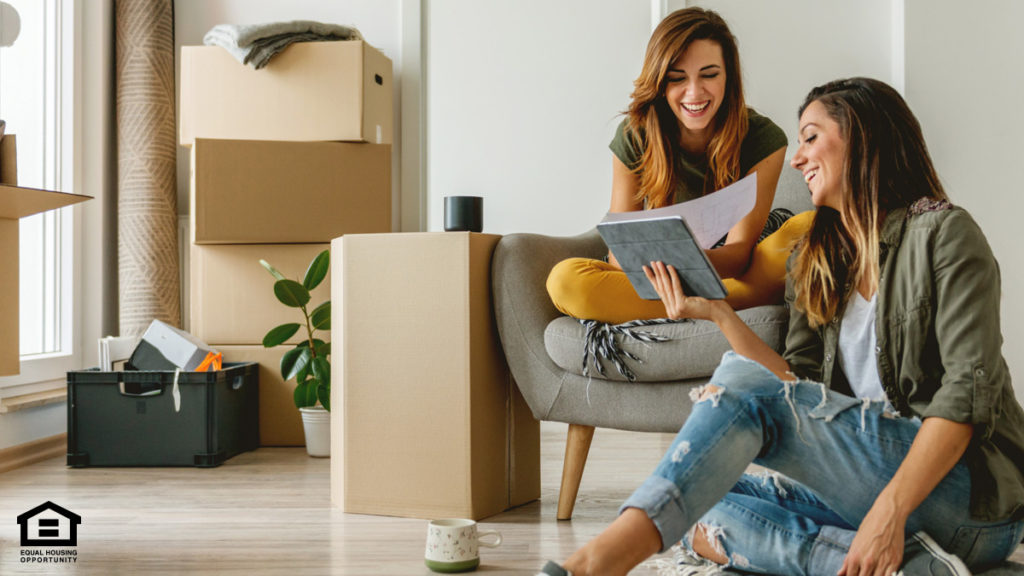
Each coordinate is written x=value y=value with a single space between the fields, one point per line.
x=637 y=243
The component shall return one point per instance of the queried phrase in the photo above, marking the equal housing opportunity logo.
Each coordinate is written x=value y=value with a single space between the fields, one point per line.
x=53 y=527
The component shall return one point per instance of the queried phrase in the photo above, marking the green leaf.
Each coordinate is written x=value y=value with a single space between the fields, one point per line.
x=291 y=293
x=273 y=271
x=322 y=371
x=301 y=361
x=288 y=362
x=280 y=335
x=305 y=394
x=303 y=374
x=317 y=270
x=321 y=316
x=324 y=350
x=323 y=393
x=322 y=374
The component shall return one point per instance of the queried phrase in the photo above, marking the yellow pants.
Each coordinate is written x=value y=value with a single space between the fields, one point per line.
x=596 y=290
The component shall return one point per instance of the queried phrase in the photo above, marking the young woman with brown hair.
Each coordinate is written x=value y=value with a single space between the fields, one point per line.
x=688 y=132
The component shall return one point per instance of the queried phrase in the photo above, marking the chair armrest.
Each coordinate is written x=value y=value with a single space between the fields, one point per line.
x=523 y=309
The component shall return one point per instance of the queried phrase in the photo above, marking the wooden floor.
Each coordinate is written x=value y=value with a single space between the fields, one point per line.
x=269 y=512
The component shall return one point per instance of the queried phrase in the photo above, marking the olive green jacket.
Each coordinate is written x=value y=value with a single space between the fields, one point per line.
x=939 y=344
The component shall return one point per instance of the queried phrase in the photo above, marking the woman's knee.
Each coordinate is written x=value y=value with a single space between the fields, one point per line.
x=797 y=226
x=764 y=281
x=740 y=374
x=567 y=284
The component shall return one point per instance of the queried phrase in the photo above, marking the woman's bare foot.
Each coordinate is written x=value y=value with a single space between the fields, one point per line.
x=625 y=543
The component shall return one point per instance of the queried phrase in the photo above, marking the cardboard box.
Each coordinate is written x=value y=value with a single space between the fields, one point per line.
x=232 y=296
x=263 y=192
x=280 y=420
x=311 y=91
x=425 y=419
x=16 y=203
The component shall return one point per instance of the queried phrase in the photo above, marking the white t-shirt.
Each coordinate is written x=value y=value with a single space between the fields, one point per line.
x=857 y=342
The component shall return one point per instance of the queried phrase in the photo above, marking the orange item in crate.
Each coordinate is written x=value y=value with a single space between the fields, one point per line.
x=213 y=361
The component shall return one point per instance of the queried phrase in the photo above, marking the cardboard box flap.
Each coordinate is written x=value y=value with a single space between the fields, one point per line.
x=17 y=202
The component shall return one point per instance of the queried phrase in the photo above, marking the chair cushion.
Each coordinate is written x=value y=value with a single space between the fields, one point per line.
x=693 y=350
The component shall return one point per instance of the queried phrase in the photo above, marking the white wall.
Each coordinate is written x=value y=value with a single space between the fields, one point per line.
x=379 y=21
x=522 y=99
x=964 y=81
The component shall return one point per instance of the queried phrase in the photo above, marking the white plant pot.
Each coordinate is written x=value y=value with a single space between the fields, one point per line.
x=317 y=423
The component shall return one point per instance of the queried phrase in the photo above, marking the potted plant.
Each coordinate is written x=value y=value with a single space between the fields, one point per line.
x=308 y=363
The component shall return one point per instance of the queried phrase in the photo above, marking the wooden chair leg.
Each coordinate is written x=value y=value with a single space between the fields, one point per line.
x=577 y=446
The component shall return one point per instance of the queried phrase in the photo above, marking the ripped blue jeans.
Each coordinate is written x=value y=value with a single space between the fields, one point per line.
x=836 y=454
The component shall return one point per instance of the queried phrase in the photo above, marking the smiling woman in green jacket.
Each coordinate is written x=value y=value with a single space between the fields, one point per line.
x=891 y=411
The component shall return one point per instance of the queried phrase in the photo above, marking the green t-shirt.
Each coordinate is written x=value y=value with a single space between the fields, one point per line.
x=763 y=138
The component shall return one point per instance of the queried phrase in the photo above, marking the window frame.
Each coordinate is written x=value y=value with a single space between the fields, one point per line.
x=48 y=370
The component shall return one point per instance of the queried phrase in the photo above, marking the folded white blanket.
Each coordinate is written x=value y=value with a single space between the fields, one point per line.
x=256 y=44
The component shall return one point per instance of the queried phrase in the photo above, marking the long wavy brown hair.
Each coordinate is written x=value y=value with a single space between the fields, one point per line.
x=653 y=127
x=887 y=167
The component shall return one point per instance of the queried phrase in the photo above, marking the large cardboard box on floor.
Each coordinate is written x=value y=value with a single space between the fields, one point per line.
x=270 y=192
x=280 y=420
x=17 y=203
x=232 y=295
x=309 y=92
x=425 y=419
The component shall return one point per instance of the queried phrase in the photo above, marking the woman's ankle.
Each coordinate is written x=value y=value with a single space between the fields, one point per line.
x=628 y=541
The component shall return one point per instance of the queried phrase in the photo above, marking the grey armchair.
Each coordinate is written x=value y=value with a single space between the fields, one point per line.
x=544 y=348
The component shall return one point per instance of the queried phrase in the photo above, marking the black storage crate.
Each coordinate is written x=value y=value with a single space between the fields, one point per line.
x=129 y=418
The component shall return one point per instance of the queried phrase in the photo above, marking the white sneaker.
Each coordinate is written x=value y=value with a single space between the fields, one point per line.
x=553 y=569
x=924 y=557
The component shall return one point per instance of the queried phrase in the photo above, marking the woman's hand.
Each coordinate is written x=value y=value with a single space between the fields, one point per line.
x=742 y=339
x=877 y=549
x=677 y=304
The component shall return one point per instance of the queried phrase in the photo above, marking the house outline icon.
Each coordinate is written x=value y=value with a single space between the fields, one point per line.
x=48 y=531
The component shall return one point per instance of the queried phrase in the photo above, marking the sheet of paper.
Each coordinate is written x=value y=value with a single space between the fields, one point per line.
x=709 y=217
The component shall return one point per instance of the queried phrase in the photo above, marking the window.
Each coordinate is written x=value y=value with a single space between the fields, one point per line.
x=36 y=100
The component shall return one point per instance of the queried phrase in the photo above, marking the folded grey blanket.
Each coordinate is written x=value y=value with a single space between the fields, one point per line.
x=256 y=44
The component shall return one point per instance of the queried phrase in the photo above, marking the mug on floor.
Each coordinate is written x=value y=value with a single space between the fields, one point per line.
x=453 y=545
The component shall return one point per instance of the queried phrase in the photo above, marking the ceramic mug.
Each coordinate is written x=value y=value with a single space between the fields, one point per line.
x=453 y=545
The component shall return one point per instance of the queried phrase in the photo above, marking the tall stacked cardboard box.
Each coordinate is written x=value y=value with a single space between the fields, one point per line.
x=426 y=420
x=283 y=160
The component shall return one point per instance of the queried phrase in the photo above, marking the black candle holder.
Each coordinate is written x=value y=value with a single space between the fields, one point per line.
x=463 y=214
